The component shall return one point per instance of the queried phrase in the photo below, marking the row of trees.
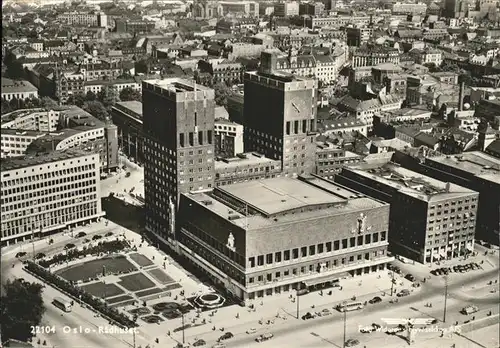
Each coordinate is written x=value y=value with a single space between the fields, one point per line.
x=112 y=246
x=16 y=104
x=21 y=308
x=94 y=302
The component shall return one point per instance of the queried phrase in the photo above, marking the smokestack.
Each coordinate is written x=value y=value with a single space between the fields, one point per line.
x=461 y=96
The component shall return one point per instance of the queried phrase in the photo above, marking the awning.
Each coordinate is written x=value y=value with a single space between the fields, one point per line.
x=324 y=279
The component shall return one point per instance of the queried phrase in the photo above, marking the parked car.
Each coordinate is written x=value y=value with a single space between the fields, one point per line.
x=199 y=343
x=307 y=316
x=40 y=256
x=410 y=277
x=86 y=240
x=264 y=337
x=325 y=312
x=81 y=234
x=96 y=237
x=395 y=330
x=226 y=336
x=469 y=310
x=374 y=300
x=351 y=342
x=109 y=234
x=21 y=254
x=219 y=345
x=403 y=293
x=251 y=331
x=127 y=174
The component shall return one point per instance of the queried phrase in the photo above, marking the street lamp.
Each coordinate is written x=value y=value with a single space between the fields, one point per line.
x=297 y=300
x=445 y=297
x=183 y=328
x=392 y=282
x=345 y=324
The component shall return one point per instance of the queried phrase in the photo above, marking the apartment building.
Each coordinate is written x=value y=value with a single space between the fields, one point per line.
x=49 y=193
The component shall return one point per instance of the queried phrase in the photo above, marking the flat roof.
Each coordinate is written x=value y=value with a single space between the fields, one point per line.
x=134 y=106
x=177 y=85
x=249 y=221
x=475 y=162
x=28 y=161
x=409 y=182
x=244 y=159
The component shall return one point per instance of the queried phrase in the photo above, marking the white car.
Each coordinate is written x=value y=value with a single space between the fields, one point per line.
x=251 y=331
x=264 y=337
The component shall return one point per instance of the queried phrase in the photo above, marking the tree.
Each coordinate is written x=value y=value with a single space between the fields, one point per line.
x=48 y=103
x=222 y=91
x=21 y=308
x=77 y=99
x=128 y=94
x=90 y=96
x=96 y=109
x=6 y=108
x=106 y=96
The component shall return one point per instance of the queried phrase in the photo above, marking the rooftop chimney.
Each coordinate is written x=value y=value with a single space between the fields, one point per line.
x=461 y=96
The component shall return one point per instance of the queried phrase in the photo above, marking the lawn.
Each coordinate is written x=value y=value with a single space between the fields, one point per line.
x=91 y=269
x=148 y=292
x=136 y=282
x=141 y=260
x=100 y=289
x=160 y=276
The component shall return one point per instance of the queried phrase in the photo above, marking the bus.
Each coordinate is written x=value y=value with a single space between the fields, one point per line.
x=350 y=306
x=62 y=304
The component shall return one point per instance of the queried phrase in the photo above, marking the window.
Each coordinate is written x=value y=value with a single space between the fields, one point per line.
x=303 y=251
x=295 y=253
x=260 y=260
x=251 y=280
x=312 y=250
x=269 y=259
x=320 y=248
x=351 y=258
x=277 y=256
x=359 y=257
x=251 y=262
x=336 y=245
x=269 y=277
x=368 y=239
x=328 y=247
x=352 y=242
x=286 y=255
x=360 y=240
x=344 y=243
x=383 y=236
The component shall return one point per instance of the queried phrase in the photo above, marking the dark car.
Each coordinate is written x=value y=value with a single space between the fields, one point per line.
x=307 y=316
x=109 y=234
x=226 y=336
x=96 y=237
x=351 y=342
x=199 y=343
x=40 y=256
x=127 y=174
x=390 y=267
x=69 y=246
x=21 y=254
x=403 y=293
x=410 y=277
x=81 y=234
x=374 y=300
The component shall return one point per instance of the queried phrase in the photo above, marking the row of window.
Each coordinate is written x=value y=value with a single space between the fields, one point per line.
x=312 y=250
x=49 y=191
x=46 y=183
x=316 y=267
x=45 y=176
x=79 y=195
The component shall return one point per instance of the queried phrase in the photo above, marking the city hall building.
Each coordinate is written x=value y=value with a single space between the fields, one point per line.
x=270 y=236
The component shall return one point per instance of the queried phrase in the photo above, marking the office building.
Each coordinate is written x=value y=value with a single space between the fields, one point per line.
x=455 y=8
x=280 y=116
x=286 y=9
x=272 y=236
x=49 y=193
x=178 y=122
x=430 y=220
x=475 y=170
